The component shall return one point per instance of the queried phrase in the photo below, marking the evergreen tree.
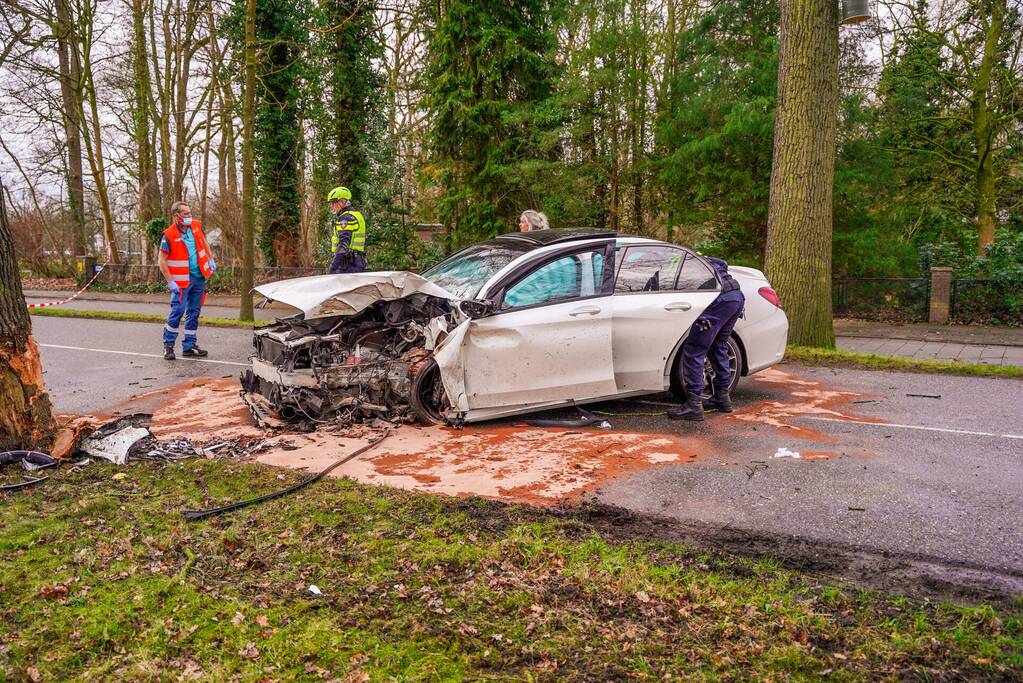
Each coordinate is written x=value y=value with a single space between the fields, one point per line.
x=343 y=106
x=491 y=76
x=281 y=38
x=717 y=127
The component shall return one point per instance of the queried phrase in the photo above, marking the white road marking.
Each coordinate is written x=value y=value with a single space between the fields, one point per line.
x=143 y=355
x=917 y=427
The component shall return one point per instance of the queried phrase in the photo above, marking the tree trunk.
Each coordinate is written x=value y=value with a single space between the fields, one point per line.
x=802 y=177
x=149 y=185
x=984 y=130
x=26 y=418
x=248 y=171
x=70 y=76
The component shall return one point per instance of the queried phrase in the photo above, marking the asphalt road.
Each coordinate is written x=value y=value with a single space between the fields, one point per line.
x=934 y=481
x=92 y=364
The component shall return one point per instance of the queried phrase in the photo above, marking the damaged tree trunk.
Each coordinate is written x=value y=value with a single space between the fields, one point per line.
x=26 y=419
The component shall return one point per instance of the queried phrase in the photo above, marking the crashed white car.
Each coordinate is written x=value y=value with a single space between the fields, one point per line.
x=519 y=323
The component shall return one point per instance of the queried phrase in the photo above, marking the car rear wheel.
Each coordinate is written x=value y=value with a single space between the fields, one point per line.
x=734 y=358
x=427 y=398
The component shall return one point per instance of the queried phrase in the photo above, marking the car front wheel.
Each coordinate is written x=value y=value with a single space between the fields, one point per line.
x=734 y=359
x=427 y=397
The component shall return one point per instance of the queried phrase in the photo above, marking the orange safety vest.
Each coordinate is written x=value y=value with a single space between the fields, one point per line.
x=177 y=259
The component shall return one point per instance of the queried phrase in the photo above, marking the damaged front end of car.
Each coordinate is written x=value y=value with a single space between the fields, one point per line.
x=354 y=351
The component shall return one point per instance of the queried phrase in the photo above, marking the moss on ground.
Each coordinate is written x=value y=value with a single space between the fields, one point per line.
x=101 y=578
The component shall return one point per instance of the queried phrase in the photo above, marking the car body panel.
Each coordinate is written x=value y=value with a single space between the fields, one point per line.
x=323 y=296
x=647 y=329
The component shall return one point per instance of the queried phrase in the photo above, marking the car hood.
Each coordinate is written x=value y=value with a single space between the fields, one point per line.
x=324 y=296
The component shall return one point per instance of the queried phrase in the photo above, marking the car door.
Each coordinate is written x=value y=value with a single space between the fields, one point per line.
x=549 y=338
x=659 y=292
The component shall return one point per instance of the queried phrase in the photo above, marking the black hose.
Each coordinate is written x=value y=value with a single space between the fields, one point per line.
x=196 y=515
x=36 y=461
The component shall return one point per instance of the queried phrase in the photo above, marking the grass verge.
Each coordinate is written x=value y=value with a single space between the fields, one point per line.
x=805 y=355
x=142 y=317
x=101 y=578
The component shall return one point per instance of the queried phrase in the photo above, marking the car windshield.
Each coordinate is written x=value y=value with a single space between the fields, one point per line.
x=465 y=273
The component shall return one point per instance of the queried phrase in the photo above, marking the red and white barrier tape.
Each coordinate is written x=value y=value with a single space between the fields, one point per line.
x=73 y=296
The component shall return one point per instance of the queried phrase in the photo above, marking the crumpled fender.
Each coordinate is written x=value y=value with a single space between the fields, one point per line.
x=448 y=354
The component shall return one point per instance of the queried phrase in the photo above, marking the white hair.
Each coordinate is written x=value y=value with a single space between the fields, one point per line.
x=176 y=206
x=536 y=220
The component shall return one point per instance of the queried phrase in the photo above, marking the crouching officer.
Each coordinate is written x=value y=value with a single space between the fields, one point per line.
x=710 y=334
x=348 y=237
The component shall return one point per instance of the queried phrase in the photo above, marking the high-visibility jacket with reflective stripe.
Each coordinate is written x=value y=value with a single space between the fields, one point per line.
x=350 y=220
x=177 y=258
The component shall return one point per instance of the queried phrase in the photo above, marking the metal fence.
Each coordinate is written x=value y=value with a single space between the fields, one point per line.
x=982 y=302
x=900 y=299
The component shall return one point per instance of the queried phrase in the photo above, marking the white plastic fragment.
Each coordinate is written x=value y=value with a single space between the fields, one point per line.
x=115 y=447
x=786 y=453
x=314 y=589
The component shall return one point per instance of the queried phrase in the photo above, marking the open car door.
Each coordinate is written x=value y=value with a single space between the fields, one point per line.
x=549 y=337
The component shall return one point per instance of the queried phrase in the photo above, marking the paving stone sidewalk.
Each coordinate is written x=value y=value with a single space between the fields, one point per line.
x=966 y=344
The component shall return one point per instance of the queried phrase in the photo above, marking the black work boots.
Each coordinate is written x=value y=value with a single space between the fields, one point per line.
x=694 y=406
x=691 y=410
x=194 y=352
x=720 y=401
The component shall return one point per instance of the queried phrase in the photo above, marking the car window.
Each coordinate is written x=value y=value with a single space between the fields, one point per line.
x=568 y=277
x=696 y=275
x=464 y=274
x=648 y=269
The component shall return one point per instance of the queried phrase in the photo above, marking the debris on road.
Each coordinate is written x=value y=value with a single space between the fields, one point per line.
x=196 y=515
x=924 y=395
x=116 y=446
x=30 y=461
x=786 y=453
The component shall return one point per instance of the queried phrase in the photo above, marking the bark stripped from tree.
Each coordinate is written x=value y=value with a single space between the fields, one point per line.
x=26 y=419
x=802 y=177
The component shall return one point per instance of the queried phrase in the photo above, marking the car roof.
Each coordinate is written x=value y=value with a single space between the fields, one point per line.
x=543 y=238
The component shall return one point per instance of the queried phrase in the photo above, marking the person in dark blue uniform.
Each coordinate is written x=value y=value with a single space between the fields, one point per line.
x=709 y=335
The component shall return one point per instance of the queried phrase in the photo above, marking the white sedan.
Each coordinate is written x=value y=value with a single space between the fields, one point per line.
x=519 y=323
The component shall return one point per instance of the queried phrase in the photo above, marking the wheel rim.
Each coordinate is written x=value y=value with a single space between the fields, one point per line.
x=709 y=374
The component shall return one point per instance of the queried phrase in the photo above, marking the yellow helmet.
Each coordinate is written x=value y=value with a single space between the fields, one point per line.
x=339 y=193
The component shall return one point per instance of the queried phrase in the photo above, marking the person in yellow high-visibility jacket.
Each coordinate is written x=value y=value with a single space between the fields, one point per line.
x=348 y=236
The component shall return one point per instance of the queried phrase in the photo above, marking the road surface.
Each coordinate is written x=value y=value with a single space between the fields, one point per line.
x=906 y=468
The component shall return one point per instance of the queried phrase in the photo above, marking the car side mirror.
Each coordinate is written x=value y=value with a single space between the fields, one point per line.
x=476 y=309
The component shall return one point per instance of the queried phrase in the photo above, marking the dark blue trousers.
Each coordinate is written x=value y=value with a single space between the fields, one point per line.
x=709 y=338
x=188 y=304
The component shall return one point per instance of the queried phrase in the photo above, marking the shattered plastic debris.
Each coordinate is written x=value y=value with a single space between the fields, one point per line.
x=314 y=589
x=786 y=453
x=114 y=447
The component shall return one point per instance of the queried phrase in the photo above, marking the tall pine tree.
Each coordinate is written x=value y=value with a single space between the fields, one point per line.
x=491 y=75
x=280 y=39
x=344 y=100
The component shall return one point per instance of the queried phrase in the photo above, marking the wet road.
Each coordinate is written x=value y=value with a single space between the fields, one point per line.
x=92 y=364
x=886 y=466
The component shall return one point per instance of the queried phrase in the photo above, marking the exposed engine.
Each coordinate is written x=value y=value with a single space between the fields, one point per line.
x=342 y=368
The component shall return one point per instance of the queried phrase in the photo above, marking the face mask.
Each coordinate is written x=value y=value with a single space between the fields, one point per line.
x=186 y=220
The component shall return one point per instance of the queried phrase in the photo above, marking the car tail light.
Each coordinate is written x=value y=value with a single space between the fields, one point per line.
x=770 y=295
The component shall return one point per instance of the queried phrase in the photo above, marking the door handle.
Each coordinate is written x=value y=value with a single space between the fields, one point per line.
x=584 y=310
x=678 y=306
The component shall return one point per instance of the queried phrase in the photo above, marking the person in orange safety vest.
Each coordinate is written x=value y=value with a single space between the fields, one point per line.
x=186 y=262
